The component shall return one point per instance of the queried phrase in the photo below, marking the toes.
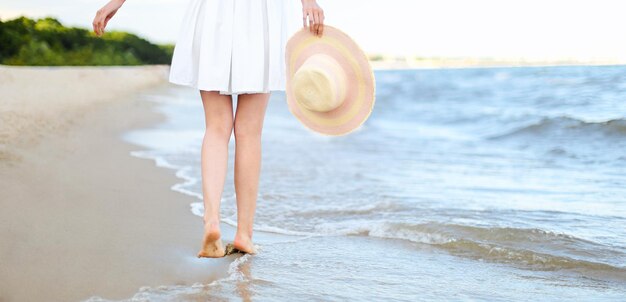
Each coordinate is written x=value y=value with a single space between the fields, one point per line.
x=231 y=249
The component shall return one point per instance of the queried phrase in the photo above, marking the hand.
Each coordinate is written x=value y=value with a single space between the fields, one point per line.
x=315 y=15
x=104 y=15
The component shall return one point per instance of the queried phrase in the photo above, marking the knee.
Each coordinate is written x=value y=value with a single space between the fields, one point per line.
x=221 y=128
x=247 y=130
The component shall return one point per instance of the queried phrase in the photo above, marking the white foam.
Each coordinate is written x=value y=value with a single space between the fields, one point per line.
x=183 y=172
x=197 y=208
x=169 y=292
x=158 y=160
x=381 y=229
x=384 y=230
x=277 y=230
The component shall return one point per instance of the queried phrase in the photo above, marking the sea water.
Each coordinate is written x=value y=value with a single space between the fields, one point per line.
x=464 y=184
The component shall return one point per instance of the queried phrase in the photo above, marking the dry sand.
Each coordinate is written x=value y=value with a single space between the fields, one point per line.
x=81 y=217
x=36 y=101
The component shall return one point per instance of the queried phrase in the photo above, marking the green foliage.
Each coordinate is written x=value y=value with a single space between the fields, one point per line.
x=46 y=41
x=375 y=57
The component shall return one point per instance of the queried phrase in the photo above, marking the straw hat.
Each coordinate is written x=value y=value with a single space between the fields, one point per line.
x=330 y=84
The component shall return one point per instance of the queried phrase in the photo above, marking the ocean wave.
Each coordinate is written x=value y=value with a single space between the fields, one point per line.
x=567 y=127
x=531 y=248
x=353 y=209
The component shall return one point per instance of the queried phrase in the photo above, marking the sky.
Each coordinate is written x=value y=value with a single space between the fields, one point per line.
x=530 y=29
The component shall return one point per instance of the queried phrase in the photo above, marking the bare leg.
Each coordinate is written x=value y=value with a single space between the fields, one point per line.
x=248 y=129
x=218 y=113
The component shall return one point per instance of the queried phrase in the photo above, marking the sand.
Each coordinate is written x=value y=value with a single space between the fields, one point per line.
x=36 y=101
x=80 y=216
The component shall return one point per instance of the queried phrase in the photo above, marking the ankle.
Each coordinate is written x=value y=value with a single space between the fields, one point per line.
x=243 y=236
x=210 y=220
x=212 y=226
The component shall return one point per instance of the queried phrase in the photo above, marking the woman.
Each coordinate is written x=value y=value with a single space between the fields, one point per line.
x=230 y=68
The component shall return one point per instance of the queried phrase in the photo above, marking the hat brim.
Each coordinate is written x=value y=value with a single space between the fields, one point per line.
x=360 y=87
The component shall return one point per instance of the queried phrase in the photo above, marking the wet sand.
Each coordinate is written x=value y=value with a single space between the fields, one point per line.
x=80 y=216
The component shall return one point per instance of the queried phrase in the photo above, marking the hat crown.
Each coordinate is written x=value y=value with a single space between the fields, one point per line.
x=320 y=83
x=326 y=72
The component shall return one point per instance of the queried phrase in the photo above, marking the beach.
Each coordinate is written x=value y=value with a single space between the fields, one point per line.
x=481 y=184
x=485 y=184
x=80 y=216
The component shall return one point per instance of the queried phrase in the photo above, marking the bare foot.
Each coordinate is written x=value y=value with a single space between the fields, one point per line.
x=212 y=243
x=244 y=244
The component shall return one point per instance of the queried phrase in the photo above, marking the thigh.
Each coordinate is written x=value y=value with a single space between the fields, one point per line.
x=250 y=113
x=218 y=110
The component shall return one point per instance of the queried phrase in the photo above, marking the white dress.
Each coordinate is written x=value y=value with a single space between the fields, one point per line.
x=234 y=46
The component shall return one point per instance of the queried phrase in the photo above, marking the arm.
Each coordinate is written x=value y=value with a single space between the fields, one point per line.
x=105 y=14
x=314 y=12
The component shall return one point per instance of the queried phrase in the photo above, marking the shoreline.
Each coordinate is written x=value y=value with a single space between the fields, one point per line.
x=84 y=219
x=79 y=210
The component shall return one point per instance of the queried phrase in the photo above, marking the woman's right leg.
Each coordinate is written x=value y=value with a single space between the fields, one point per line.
x=218 y=113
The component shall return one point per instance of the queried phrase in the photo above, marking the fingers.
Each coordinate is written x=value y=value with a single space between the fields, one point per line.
x=98 y=24
x=305 y=17
x=311 y=22
x=95 y=23
x=97 y=28
x=100 y=27
x=312 y=25
x=320 y=22
x=316 y=22
x=315 y=19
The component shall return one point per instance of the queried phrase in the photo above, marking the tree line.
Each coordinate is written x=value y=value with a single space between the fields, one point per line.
x=45 y=41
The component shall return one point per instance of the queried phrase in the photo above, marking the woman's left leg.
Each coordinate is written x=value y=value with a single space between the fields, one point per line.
x=248 y=129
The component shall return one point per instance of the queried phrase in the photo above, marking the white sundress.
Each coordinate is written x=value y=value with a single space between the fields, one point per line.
x=234 y=46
